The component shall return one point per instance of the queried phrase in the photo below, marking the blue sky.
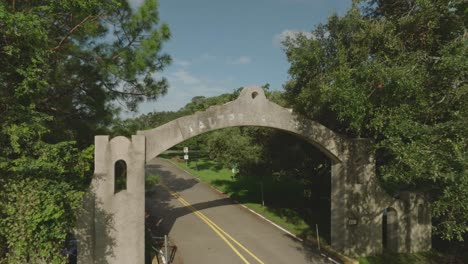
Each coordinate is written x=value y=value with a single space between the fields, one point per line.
x=218 y=46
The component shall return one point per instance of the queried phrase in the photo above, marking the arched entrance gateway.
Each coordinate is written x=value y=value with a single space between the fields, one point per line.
x=112 y=227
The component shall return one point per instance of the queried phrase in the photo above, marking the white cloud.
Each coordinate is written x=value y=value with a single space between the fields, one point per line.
x=183 y=86
x=182 y=63
x=240 y=60
x=184 y=77
x=207 y=57
x=291 y=33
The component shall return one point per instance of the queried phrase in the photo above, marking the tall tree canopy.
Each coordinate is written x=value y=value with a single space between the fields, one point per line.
x=395 y=71
x=64 y=65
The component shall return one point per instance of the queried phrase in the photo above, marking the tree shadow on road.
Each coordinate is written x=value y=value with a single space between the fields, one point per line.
x=284 y=199
x=161 y=214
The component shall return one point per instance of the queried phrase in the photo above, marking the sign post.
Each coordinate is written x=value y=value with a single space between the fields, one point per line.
x=235 y=170
x=186 y=157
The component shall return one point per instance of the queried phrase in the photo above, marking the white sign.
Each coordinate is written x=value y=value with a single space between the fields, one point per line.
x=185 y=157
x=185 y=149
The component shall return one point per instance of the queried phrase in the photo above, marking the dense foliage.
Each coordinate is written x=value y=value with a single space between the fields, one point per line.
x=63 y=65
x=395 y=72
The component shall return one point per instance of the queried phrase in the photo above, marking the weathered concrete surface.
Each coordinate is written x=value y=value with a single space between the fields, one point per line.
x=115 y=233
x=366 y=202
x=250 y=109
x=357 y=201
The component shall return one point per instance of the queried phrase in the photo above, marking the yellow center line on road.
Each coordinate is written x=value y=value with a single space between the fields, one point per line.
x=226 y=234
x=214 y=229
x=218 y=230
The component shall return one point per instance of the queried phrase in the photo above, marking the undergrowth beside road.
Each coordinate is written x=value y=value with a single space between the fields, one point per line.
x=431 y=257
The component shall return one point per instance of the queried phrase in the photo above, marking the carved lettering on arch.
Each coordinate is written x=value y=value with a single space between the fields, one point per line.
x=207 y=122
x=211 y=123
x=201 y=125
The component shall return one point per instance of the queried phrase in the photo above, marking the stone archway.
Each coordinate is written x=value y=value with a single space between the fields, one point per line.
x=113 y=229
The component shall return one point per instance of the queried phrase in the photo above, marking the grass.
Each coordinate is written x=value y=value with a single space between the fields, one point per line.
x=247 y=190
x=431 y=257
x=150 y=181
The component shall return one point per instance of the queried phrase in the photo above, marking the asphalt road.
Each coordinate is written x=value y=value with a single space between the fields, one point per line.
x=207 y=227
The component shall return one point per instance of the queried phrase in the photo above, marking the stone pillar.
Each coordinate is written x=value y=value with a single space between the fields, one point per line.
x=364 y=201
x=338 y=207
x=116 y=234
x=419 y=227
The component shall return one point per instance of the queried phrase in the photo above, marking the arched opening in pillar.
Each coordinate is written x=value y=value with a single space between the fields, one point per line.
x=120 y=176
x=421 y=214
x=390 y=230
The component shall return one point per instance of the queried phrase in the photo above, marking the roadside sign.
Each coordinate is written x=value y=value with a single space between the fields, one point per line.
x=185 y=157
x=235 y=168
x=185 y=149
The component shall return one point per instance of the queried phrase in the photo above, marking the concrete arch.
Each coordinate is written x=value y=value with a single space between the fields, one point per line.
x=251 y=108
x=111 y=230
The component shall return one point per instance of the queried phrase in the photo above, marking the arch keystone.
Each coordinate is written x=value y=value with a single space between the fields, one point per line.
x=252 y=93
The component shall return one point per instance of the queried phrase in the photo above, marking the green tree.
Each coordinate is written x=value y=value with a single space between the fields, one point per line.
x=395 y=72
x=71 y=59
x=233 y=146
x=64 y=65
